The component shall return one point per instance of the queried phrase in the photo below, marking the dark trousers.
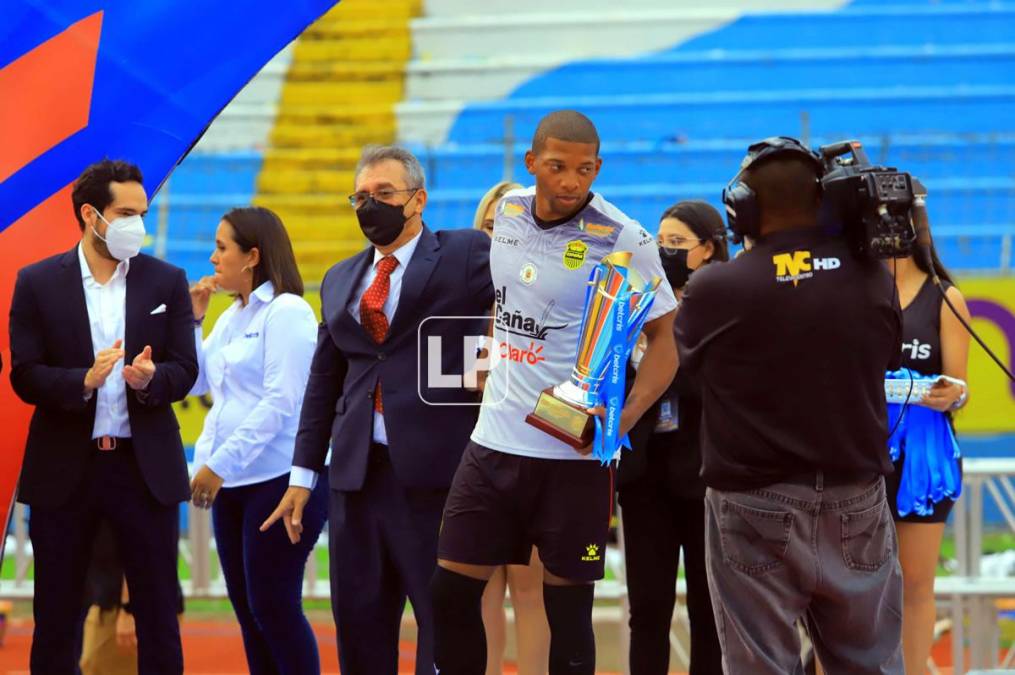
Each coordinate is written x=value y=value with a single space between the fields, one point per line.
x=264 y=574
x=657 y=526
x=383 y=543
x=146 y=537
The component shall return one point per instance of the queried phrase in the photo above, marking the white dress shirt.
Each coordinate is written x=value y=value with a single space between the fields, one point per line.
x=107 y=307
x=255 y=363
x=301 y=476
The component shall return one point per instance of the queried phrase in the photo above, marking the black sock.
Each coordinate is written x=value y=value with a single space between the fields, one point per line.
x=459 y=638
x=572 y=642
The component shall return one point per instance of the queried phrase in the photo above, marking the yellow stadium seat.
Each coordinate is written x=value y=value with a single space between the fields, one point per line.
x=347 y=74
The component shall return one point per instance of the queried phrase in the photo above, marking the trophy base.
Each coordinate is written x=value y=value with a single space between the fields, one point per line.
x=564 y=421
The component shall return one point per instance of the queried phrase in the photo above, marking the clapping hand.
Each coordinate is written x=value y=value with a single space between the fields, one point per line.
x=140 y=373
x=103 y=366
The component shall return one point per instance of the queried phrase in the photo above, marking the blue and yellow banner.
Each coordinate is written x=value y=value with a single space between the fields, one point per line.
x=991 y=407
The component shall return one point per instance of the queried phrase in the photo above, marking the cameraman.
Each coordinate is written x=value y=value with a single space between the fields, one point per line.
x=790 y=344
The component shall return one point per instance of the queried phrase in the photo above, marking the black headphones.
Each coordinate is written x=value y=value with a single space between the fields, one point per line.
x=743 y=217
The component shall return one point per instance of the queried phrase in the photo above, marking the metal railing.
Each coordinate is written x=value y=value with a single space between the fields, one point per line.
x=968 y=596
x=197 y=551
x=973 y=597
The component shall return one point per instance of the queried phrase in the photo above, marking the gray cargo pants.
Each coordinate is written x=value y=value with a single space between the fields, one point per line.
x=826 y=555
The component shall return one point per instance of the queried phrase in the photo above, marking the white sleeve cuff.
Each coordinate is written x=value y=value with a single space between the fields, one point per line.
x=219 y=465
x=300 y=476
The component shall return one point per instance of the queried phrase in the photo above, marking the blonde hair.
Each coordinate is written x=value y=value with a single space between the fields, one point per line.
x=492 y=196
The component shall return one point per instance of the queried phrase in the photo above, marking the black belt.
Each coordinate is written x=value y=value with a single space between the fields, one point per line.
x=111 y=443
x=819 y=478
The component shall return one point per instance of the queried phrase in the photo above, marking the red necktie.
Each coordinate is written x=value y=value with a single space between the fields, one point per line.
x=371 y=310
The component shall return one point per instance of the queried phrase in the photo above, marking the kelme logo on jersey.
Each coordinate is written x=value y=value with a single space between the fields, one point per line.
x=507 y=241
x=798 y=265
x=592 y=554
x=517 y=323
x=574 y=254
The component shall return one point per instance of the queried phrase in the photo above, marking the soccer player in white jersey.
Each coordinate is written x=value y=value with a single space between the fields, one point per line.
x=516 y=486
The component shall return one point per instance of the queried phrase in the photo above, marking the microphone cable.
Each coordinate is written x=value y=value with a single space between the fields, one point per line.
x=921 y=223
x=909 y=394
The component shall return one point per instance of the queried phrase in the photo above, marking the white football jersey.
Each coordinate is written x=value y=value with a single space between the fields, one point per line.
x=540 y=276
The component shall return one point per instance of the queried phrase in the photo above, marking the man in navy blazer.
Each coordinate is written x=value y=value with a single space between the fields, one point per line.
x=102 y=342
x=397 y=321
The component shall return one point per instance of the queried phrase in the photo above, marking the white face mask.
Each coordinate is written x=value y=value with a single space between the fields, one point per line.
x=124 y=236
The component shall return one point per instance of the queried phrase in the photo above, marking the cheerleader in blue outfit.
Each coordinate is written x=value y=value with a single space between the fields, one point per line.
x=928 y=470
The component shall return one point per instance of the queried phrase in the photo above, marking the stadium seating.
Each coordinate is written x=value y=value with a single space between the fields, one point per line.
x=292 y=138
x=928 y=86
x=676 y=90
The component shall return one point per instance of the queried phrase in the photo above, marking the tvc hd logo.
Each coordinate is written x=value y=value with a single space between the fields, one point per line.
x=799 y=265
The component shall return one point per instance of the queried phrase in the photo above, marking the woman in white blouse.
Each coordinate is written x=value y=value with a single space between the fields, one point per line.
x=255 y=363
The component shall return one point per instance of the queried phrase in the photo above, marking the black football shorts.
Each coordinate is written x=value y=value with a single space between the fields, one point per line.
x=500 y=505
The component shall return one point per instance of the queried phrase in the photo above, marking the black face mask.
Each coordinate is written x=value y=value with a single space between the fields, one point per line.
x=675 y=265
x=380 y=222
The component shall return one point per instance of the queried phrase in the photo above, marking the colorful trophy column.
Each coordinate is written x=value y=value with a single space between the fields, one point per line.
x=617 y=301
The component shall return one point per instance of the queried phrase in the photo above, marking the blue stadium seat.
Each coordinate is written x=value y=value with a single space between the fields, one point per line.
x=927 y=85
x=949 y=201
x=214 y=173
x=913 y=22
x=476 y=167
x=780 y=69
x=755 y=114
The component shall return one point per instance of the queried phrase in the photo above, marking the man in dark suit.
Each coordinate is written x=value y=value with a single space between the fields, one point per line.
x=393 y=325
x=104 y=443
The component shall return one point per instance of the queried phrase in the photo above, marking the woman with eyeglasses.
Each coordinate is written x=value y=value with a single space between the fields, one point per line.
x=660 y=491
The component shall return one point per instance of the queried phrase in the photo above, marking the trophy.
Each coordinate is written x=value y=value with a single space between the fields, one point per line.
x=617 y=301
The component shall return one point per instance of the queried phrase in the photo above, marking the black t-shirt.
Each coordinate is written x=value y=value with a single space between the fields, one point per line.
x=921 y=330
x=790 y=343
